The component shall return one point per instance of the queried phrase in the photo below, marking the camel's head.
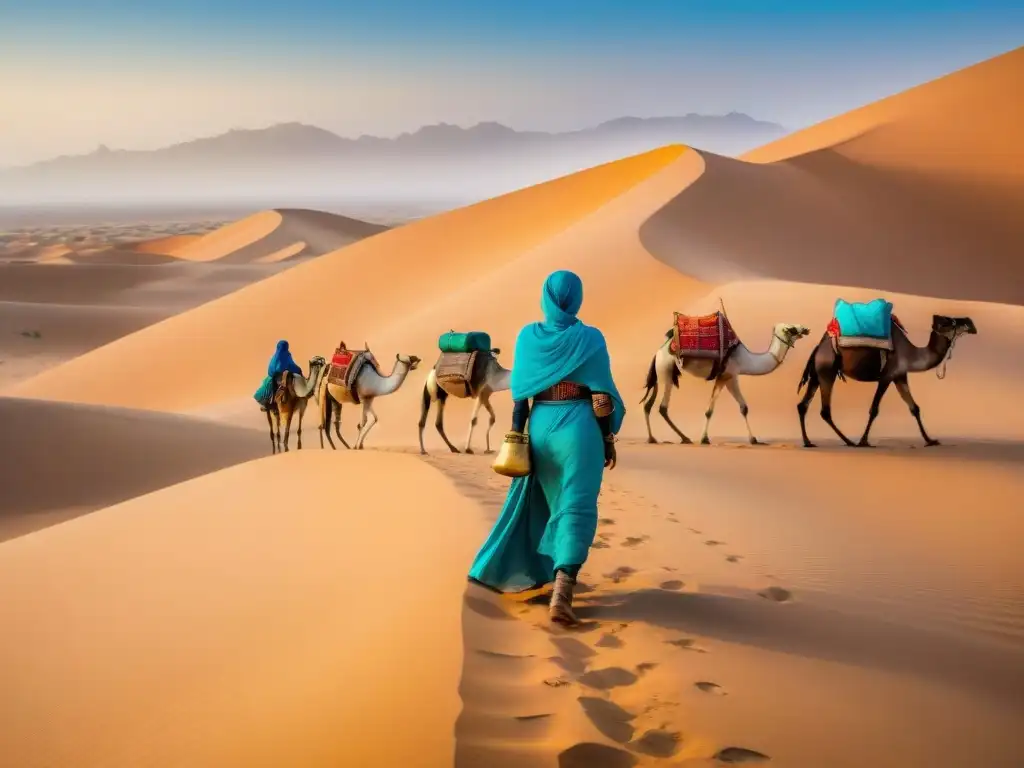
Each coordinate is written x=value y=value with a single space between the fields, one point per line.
x=951 y=327
x=790 y=333
x=317 y=362
x=495 y=352
x=411 y=360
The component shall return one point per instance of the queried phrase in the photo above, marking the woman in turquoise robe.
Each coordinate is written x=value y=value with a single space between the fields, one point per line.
x=549 y=520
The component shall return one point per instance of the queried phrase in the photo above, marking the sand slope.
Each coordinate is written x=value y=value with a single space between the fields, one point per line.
x=258 y=237
x=243 y=623
x=72 y=459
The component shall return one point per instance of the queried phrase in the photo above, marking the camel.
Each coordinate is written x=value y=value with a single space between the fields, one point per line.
x=665 y=368
x=292 y=394
x=369 y=385
x=826 y=364
x=487 y=379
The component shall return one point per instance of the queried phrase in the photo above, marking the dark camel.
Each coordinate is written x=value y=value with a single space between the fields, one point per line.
x=867 y=364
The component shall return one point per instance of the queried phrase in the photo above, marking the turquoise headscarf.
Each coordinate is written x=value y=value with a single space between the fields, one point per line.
x=550 y=351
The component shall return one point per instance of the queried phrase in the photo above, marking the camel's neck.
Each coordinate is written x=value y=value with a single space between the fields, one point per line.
x=926 y=358
x=761 y=363
x=501 y=378
x=393 y=381
x=305 y=387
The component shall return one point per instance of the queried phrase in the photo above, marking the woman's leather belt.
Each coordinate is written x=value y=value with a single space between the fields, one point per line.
x=562 y=392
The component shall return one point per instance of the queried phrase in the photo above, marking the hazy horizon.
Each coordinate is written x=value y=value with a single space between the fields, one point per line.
x=142 y=78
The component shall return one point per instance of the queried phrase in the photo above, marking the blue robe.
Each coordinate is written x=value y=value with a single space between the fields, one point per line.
x=282 y=361
x=550 y=516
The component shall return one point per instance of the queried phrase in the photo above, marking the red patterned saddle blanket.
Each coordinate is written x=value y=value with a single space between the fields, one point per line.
x=702 y=336
x=345 y=367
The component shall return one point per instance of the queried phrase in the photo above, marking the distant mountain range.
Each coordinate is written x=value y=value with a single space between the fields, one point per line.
x=295 y=158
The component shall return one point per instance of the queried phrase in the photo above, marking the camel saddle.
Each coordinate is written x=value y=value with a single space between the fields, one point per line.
x=860 y=325
x=707 y=337
x=344 y=369
x=456 y=372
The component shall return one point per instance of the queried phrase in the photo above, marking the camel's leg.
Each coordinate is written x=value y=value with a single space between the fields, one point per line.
x=439 y=420
x=883 y=385
x=337 y=426
x=472 y=425
x=288 y=426
x=903 y=387
x=424 y=412
x=648 y=406
x=493 y=418
x=270 y=423
x=368 y=414
x=277 y=426
x=733 y=385
x=827 y=382
x=298 y=429
x=663 y=410
x=326 y=408
x=802 y=406
x=716 y=390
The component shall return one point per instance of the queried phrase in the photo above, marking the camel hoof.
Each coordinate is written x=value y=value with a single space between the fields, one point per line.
x=686 y=441
x=810 y=445
x=651 y=441
x=931 y=443
x=453 y=449
x=488 y=452
x=705 y=441
x=468 y=451
x=755 y=441
x=863 y=444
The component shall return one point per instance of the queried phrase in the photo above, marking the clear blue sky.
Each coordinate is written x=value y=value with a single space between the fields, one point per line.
x=74 y=73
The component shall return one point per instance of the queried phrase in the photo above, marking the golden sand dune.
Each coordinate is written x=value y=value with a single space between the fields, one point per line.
x=166 y=245
x=73 y=459
x=263 y=237
x=231 y=621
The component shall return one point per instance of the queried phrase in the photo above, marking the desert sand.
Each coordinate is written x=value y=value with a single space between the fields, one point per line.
x=116 y=278
x=743 y=603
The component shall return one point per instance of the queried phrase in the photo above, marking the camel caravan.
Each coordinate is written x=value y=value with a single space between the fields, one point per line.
x=864 y=342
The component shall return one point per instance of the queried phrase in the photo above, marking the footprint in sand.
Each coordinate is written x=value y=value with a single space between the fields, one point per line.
x=609 y=641
x=709 y=687
x=671 y=519
x=658 y=743
x=605 y=521
x=609 y=718
x=672 y=585
x=713 y=543
x=498 y=655
x=776 y=594
x=599 y=545
x=620 y=573
x=644 y=667
x=591 y=755
x=668 y=568
x=694 y=530
x=607 y=678
x=731 y=755
x=634 y=541
x=556 y=682
x=733 y=558
x=687 y=644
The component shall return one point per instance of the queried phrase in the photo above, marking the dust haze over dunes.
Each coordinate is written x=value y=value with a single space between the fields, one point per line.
x=741 y=603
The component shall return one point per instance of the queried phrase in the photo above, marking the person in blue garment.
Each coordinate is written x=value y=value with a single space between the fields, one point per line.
x=549 y=520
x=281 y=362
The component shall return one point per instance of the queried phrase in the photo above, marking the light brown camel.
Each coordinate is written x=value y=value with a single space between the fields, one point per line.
x=488 y=377
x=292 y=395
x=368 y=386
x=665 y=367
x=826 y=364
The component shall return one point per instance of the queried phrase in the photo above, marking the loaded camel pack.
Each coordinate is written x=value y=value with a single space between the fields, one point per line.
x=355 y=377
x=468 y=367
x=866 y=342
x=707 y=347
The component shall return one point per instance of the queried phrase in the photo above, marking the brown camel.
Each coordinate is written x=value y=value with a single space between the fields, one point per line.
x=292 y=395
x=827 y=363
